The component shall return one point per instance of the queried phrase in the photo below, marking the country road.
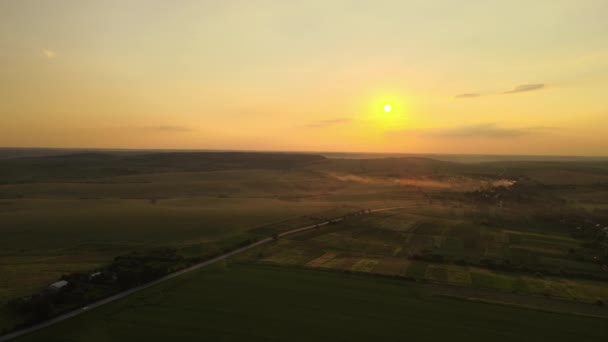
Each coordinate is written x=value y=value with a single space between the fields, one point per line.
x=129 y=292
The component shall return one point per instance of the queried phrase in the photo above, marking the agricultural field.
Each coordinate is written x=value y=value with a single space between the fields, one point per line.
x=60 y=214
x=72 y=235
x=422 y=243
x=65 y=214
x=261 y=303
x=520 y=228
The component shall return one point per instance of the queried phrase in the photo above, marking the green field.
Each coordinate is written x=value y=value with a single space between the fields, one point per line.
x=254 y=303
x=61 y=215
x=46 y=238
x=431 y=244
x=52 y=228
x=508 y=227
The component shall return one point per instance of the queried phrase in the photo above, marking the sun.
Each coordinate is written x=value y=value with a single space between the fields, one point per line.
x=387 y=111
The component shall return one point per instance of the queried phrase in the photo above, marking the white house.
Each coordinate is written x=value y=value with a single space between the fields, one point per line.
x=58 y=285
x=94 y=275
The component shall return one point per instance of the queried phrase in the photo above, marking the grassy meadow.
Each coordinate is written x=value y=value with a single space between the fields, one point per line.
x=50 y=229
x=256 y=303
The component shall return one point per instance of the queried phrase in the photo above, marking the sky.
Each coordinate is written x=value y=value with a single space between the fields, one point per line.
x=476 y=76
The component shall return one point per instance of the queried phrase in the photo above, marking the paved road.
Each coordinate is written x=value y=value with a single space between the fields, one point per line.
x=129 y=292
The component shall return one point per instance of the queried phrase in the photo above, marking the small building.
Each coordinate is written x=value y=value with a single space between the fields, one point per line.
x=94 y=275
x=57 y=286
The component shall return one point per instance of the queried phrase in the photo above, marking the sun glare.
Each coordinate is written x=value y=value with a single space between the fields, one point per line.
x=387 y=110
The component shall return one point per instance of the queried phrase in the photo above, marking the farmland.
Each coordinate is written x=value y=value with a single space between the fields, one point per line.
x=253 y=303
x=522 y=233
x=406 y=244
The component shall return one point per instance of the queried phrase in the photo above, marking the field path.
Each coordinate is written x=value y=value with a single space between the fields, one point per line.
x=195 y=267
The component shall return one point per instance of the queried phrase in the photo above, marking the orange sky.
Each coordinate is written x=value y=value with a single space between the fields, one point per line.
x=491 y=77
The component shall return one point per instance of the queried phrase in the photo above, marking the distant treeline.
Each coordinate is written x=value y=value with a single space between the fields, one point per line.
x=96 y=164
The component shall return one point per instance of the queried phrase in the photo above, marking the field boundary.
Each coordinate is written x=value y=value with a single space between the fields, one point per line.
x=516 y=305
x=123 y=294
x=426 y=283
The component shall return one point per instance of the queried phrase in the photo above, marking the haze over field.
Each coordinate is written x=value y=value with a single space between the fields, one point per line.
x=498 y=77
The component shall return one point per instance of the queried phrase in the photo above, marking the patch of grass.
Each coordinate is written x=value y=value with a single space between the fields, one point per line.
x=520 y=285
x=290 y=257
x=429 y=228
x=570 y=265
x=392 y=266
x=452 y=246
x=417 y=269
x=436 y=273
x=327 y=256
x=421 y=242
x=341 y=263
x=458 y=275
x=365 y=265
x=491 y=280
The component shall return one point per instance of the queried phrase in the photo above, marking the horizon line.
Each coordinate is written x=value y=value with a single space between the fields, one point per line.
x=293 y=151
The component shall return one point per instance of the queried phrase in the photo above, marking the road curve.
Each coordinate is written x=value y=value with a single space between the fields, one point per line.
x=129 y=292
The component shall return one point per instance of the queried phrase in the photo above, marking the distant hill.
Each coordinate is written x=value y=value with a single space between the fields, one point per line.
x=13 y=152
x=463 y=158
x=95 y=164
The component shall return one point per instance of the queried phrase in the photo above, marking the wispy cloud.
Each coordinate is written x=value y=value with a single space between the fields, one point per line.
x=522 y=88
x=482 y=130
x=329 y=122
x=525 y=87
x=486 y=130
x=159 y=129
x=170 y=128
x=48 y=53
x=468 y=95
x=163 y=128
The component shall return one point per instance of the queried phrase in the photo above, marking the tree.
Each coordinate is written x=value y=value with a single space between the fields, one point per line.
x=41 y=307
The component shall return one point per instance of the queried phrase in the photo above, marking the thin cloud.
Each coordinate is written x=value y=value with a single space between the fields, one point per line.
x=522 y=88
x=525 y=88
x=160 y=129
x=486 y=130
x=467 y=95
x=483 y=130
x=329 y=122
x=169 y=128
x=49 y=53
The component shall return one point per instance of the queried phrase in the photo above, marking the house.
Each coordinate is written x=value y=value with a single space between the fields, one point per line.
x=57 y=286
x=94 y=275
